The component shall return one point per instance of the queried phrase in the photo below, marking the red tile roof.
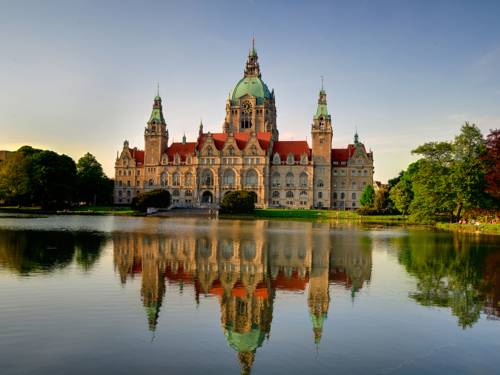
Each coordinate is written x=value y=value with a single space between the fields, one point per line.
x=297 y=148
x=344 y=154
x=138 y=155
x=241 y=139
x=183 y=149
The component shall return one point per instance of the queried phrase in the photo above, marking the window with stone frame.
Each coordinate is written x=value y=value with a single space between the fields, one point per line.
x=275 y=179
x=229 y=177
x=276 y=159
x=188 y=179
x=176 y=179
x=289 y=179
x=207 y=178
x=290 y=159
x=251 y=178
x=303 y=179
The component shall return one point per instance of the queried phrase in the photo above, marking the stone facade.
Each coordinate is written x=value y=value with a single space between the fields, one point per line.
x=246 y=155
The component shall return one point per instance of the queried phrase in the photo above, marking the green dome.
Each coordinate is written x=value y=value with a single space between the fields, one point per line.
x=245 y=342
x=253 y=86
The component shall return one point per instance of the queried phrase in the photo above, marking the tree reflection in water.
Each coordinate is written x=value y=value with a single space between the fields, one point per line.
x=27 y=252
x=461 y=273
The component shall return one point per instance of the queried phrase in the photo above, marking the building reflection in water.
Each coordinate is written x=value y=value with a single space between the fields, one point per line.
x=244 y=264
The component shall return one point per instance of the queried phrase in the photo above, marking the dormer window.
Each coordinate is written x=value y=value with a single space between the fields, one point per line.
x=253 y=150
x=276 y=159
x=303 y=159
x=177 y=159
x=290 y=158
x=210 y=151
x=230 y=151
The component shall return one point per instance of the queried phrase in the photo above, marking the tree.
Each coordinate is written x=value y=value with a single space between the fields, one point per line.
x=238 y=202
x=450 y=177
x=15 y=179
x=54 y=179
x=401 y=194
x=492 y=160
x=93 y=185
x=367 y=197
x=156 y=198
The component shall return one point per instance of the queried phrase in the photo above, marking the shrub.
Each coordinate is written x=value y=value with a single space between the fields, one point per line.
x=155 y=198
x=238 y=202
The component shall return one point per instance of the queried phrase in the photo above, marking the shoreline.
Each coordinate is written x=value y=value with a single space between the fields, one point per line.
x=272 y=214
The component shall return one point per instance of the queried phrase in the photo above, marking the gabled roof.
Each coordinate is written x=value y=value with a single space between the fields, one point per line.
x=344 y=154
x=138 y=155
x=264 y=138
x=183 y=149
x=297 y=148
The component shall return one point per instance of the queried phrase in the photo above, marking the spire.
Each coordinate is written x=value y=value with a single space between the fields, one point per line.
x=201 y=127
x=157 y=112
x=252 y=68
x=322 y=109
x=356 y=137
x=184 y=139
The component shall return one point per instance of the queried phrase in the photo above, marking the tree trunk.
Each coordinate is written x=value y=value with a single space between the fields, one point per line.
x=459 y=211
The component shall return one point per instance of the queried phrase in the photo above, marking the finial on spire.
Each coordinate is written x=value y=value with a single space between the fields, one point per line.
x=322 y=89
x=356 y=137
x=158 y=89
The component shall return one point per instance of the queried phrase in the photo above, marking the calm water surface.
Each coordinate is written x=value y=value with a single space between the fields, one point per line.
x=82 y=295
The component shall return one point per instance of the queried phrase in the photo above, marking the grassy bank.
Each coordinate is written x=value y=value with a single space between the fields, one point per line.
x=91 y=210
x=328 y=215
x=471 y=228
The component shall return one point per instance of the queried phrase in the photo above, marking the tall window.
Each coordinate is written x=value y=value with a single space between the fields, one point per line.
x=207 y=178
x=276 y=179
x=289 y=194
x=246 y=120
x=290 y=159
x=303 y=179
x=176 y=179
x=210 y=151
x=188 y=193
x=228 y=178
x=188 y=179
x=354 y=196
x=276 y=159
x=251 y=178
x=230 y=151
x=320 y=183
x=276 y=194
x=289 y=179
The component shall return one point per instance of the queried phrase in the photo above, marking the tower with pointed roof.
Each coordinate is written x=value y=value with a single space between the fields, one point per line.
x=321 y=135
x=250 y=106
x=155 y=134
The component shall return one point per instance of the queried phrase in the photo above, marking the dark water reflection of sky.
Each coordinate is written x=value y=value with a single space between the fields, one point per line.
x=127 y=295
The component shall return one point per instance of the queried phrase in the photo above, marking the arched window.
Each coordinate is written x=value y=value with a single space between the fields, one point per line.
x=289 y=179
x=228 y=177
x=163 y=179
x=276 y=179
x=303 y=179
x=248 y=250
x=320 y=183
x=177 y=159
x=230 y=151
x=289 y=194
x=251 y=178
x=175 y=193
x=276 y=158
x=176 y=179
x=188 y=159
x=246 y=120
x=207 y=178
x=354 y=196
x=342 y=196
x=290 y=159
x=119 y=172
x=303 y=195
x=188 y=193
x=276 y=194
x=226 y=248
x=210 y=151
x=188 y=179
x=320 y=195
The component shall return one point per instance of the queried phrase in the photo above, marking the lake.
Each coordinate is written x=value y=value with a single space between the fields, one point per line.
x=124 y=295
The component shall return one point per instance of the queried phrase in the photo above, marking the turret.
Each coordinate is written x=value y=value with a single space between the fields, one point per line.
x=155 y=134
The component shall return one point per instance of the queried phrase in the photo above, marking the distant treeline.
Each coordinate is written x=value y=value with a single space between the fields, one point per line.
x=33 y=177
x=453 y=181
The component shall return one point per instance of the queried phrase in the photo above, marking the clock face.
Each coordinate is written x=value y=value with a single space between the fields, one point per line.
x=247 y=106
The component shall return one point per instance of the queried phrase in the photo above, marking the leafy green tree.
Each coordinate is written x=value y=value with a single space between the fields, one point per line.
x=15 y=179
x=93 y=185
x=53 y=178
x=450 y=177
x=367 y=196
x=238 y=202
x=492 y=160
x=156 y=198
x=401 y=194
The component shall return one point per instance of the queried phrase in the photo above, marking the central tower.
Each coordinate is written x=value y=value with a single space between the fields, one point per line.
x=250 y=106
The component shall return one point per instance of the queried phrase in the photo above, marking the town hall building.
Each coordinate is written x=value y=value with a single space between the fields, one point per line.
x=246 y=155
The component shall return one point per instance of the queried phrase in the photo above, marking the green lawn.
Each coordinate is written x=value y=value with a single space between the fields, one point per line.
x=471 y=228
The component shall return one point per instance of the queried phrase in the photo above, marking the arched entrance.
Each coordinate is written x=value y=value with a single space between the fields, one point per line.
x=207 y=197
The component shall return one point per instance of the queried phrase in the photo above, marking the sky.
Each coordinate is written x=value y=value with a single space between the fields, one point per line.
x=80 y=76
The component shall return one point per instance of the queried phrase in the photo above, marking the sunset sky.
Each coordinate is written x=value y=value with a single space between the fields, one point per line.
x=78 y=76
